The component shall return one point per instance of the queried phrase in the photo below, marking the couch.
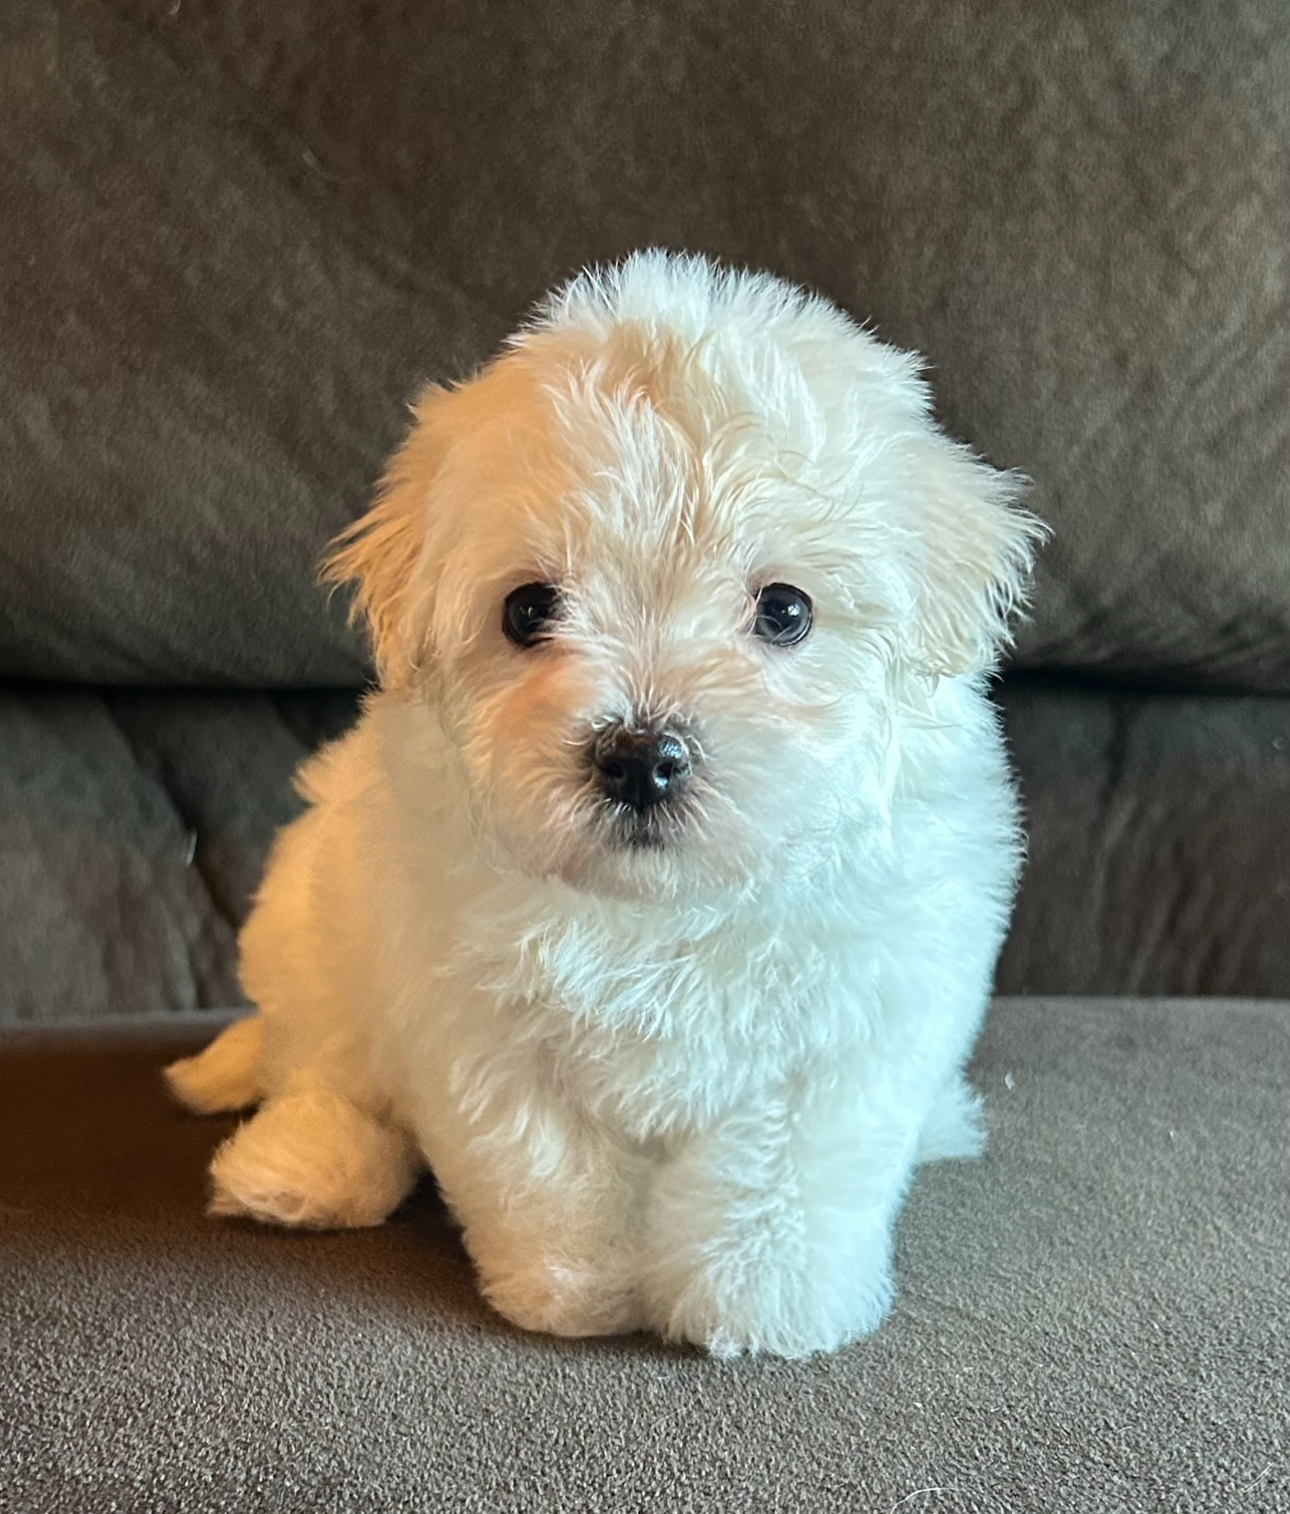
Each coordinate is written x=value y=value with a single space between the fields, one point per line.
x=237 y=238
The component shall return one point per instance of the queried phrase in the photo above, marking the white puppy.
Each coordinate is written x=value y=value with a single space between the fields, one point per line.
x=654 y=900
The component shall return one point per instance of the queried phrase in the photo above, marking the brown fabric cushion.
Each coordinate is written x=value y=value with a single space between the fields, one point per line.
x=134 y=826
x=197 y=376
x=1091 y=1318
x=1158 y=834
x=238 y=235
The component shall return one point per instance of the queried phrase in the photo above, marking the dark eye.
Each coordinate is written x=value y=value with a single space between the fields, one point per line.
x=783 y=615
x=529 y=612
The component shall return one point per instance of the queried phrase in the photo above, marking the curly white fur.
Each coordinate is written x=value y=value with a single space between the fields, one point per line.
x=679 y=1087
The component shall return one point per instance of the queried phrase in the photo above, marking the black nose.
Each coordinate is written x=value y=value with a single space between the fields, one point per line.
x=639 y=768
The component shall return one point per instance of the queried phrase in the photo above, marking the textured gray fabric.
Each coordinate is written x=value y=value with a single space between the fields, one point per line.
x=134 y=827
x=133 y=831
x=198 y=376
x=1159 y=838
x=1091 y=1318
x=238 y=235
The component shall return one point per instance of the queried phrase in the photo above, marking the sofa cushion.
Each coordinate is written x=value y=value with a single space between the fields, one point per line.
x=134 y=825
x=1158 y=831
x=1090 y=1317
x=238 y=236
x=198 y=374
x=133 y=831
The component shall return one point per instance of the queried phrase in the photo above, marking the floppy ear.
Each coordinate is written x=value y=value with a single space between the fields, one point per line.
x=976 y=550
x=383 y=550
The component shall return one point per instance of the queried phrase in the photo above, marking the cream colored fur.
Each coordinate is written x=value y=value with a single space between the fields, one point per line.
x=679 y=1088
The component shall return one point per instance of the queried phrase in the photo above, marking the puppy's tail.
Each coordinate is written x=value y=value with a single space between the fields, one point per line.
x=224 y=1076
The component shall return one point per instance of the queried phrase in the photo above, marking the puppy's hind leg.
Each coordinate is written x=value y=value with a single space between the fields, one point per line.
x=955 y=1125
x=316 y=1160
x=224 y=1076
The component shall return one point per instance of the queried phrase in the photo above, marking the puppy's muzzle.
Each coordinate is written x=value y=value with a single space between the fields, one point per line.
x=639 y=769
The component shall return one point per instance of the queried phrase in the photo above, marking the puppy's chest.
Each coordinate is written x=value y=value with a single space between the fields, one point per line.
x=655 y=1037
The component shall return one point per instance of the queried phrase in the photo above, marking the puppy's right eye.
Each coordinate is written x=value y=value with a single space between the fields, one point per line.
x=529 y=612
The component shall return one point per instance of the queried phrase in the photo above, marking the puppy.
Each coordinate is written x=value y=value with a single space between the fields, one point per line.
x=654 y=900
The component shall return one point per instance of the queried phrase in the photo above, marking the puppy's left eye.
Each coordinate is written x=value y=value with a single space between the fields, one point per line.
x=783 y=615
x=529 y=613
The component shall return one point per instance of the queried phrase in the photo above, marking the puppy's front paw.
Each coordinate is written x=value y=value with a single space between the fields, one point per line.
x=734 y=1306
x=565 y=1297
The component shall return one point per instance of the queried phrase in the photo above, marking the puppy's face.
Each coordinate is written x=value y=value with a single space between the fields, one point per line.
x=665 y=572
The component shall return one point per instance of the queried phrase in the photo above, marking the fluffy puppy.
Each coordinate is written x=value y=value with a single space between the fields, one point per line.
x=654 y=900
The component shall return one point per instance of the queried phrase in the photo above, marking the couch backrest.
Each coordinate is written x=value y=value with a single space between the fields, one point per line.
x=238 y=236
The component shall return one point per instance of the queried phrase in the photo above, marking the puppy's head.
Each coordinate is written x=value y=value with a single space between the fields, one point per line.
x=669 y=567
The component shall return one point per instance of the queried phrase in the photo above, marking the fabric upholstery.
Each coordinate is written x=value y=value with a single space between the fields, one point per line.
x=134 y=827
x=1159 y=834
x=1092 y=1317
x=133 y=832
x=238 y=237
